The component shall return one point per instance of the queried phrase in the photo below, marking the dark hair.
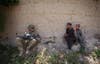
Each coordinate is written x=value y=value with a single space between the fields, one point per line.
x=69 y=23
x=78 y=25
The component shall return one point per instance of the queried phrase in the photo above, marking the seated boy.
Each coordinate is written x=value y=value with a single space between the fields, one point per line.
x=70 y=36
x=79 y=36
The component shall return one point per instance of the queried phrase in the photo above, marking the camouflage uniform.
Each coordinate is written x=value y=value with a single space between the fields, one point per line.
x=28 y=40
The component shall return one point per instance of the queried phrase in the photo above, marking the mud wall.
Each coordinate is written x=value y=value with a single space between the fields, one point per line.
x=51 y=16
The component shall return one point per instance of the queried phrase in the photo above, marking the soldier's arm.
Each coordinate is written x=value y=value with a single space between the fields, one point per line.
x=37 y=37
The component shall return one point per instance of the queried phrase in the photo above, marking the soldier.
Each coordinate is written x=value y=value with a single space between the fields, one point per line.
x=28 y=41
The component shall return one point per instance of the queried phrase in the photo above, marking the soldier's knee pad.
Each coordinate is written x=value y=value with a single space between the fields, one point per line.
x=34 y=40
x=18 y=38
x=18 y=41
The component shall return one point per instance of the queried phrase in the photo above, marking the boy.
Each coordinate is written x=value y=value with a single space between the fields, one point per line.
x=69 y=36
x=79 y=36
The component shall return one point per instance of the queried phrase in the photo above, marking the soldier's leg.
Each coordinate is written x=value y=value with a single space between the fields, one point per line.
x=31 y=44
x=19 y=42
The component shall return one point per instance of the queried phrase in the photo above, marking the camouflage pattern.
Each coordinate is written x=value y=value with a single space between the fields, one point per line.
x=28 y=41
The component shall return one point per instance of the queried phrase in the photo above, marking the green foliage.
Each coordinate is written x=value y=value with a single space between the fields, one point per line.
x=15 y=59
x=6 y=52
x=9 y=55
x=96 y=53
x=73 y=58
x=70 y=58
x=9 y=2
x=60 y=58
x=54 y=59
x=82 y=50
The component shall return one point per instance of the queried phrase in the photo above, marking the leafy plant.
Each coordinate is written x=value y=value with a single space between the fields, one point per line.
x=97 y=52
x=73 y=57
x=59 y=58
x=54 y=58
x=6 y=51
x=42 y=57
x=22 y=60
x=9 y=55
x=82 y=50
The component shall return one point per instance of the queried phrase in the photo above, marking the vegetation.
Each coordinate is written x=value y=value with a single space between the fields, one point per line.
x=6 y=53
x=96 y=54
x=73 y=58
x=9 y=55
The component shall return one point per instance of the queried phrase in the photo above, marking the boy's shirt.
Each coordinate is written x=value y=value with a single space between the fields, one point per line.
x=79 y=35
x=70 y=34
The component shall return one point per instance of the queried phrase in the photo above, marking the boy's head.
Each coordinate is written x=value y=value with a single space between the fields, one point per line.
x=77 y=26
x=69 y=25
x=31 y=28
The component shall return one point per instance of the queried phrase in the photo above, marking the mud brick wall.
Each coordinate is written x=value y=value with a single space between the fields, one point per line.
x=51 y=16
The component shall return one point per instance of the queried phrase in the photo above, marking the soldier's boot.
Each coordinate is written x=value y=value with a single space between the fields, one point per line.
x=19 y=43
x=32 y=44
